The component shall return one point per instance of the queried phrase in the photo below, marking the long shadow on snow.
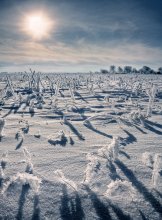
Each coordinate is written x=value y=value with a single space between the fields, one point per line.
x=75 y=131
x=119 y=213
x=10 y=111
x=90 y=126
x=113 y=174
x=140 y=187
x=22 y=199
x=1 y=182
x=36 y=211
x=17 y=108
x=102 y=209
x=128 y=140
x=129 y=124
x=80 y=96
x=142 y=215
x=61 y=93
x=152 y=129
x=124 y=154
x=158 y=193
x=153 y=124
x=71 y=208
x=19 y=144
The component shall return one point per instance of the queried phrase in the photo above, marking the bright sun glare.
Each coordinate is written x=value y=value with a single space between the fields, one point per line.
x=38 y=26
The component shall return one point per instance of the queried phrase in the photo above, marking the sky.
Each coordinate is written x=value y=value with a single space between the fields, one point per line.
x=80 y=35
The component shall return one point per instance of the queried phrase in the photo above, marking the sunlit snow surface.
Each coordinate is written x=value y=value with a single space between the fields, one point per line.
x=63 y=132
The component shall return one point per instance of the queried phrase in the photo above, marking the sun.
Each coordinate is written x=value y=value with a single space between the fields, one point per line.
x=38 y=25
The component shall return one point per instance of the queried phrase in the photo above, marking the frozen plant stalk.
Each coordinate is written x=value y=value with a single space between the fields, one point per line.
x=156 y=169
x=2 y=123
x=147 y=159
x=61 y=177
x=91 y=169
x=112 y=151
x=29 y=166
x=151 y=93
x=1 y=173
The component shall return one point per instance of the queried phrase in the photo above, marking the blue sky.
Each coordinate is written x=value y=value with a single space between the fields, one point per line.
x=85 y=35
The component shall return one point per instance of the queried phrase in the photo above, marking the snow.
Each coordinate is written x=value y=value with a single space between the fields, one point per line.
x=95 y=153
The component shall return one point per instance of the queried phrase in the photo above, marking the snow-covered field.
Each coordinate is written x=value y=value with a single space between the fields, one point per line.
x=81 y=146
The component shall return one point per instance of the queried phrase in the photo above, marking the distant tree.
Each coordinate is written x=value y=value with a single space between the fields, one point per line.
x=112 y=69
x=104 y=71
x=134 y=70
x=120 y=70
x=127 y=69
x=146 y=70
x=159 y=70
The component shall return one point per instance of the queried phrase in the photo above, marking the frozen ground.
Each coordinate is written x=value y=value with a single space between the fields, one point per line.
x=96 y=185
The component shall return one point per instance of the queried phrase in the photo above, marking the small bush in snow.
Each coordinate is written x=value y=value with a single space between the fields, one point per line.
x=59 y=139
x=112 y=151
x=120 y=188
x=24 y=179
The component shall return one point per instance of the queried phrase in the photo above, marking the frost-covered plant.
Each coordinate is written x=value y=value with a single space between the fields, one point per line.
x=24 y=126
x=151 y=93
x=118 y=187
x=106 y=99
x=20 y=138
x=28 y=160
x=136 y=117
x=20 y=97
x=24 y=179
x=92 y=168
x=37 y=134
x=157 y=168
x=31 y=108
x=2 y=175
x=65 y=121
x=27 y=100
x=59 y=139
x=110 y=152
x=4 y=159
x=147 y=159
x=2 y=123
x=72 y=94
x=54 y=103
x=91 y=88
x=39 y=106
x=61 y=177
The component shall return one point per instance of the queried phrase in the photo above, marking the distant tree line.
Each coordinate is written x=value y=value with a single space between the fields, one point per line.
x=129 y=69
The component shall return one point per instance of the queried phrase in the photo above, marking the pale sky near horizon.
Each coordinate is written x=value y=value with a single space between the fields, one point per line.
x=79 y=35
